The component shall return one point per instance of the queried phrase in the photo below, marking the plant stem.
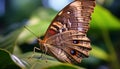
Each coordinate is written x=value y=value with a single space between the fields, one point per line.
x=113 y=56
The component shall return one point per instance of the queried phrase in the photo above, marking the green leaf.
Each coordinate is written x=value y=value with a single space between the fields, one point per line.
x=103 y=19
x=46 y=62
x=64 y=66
x=6 y=61
x=8 y=42
x=99 y=53
x=38 y=24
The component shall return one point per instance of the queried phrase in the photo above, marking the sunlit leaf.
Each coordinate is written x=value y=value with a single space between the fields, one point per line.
x=38 y=24
x=46 y=62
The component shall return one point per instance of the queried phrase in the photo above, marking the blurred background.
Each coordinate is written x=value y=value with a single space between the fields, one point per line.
x=104 y=32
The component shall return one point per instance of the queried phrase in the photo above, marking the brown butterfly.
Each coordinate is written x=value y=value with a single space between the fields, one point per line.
x=66 y=38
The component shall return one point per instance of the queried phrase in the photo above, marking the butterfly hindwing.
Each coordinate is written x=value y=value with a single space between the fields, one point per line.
x=67 y=44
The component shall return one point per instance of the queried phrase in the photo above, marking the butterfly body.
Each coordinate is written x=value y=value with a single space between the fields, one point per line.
x=66 y=37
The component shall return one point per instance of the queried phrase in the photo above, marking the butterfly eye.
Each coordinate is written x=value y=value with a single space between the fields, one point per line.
x=75 y=41
x=73 y=52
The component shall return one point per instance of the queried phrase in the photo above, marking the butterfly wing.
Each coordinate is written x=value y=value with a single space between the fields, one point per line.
x=69 y=46
x=66 y=38
x=75 y=16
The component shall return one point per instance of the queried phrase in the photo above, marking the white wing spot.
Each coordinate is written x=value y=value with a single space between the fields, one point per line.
x=68 y=12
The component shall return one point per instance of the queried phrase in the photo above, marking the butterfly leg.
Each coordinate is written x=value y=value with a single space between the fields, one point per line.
x=35 y=48
x=46 y=49
x=41 y=56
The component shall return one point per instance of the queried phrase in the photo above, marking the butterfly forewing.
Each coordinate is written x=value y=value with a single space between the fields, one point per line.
x=75 y=16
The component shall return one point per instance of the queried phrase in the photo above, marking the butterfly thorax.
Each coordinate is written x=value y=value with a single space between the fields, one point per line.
x=41 y=42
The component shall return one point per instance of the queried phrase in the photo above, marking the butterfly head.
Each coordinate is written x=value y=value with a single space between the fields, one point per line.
x=41 y=42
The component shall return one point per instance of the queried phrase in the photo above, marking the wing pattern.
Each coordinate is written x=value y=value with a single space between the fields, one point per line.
x=66 y=37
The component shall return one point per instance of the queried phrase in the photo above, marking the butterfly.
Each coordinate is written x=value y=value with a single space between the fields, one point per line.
x=66 y=38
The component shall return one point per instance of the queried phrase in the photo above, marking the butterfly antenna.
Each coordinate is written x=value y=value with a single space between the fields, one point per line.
x=31 y=31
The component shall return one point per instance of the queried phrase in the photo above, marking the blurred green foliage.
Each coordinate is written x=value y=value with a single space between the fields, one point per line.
x=104 y=30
